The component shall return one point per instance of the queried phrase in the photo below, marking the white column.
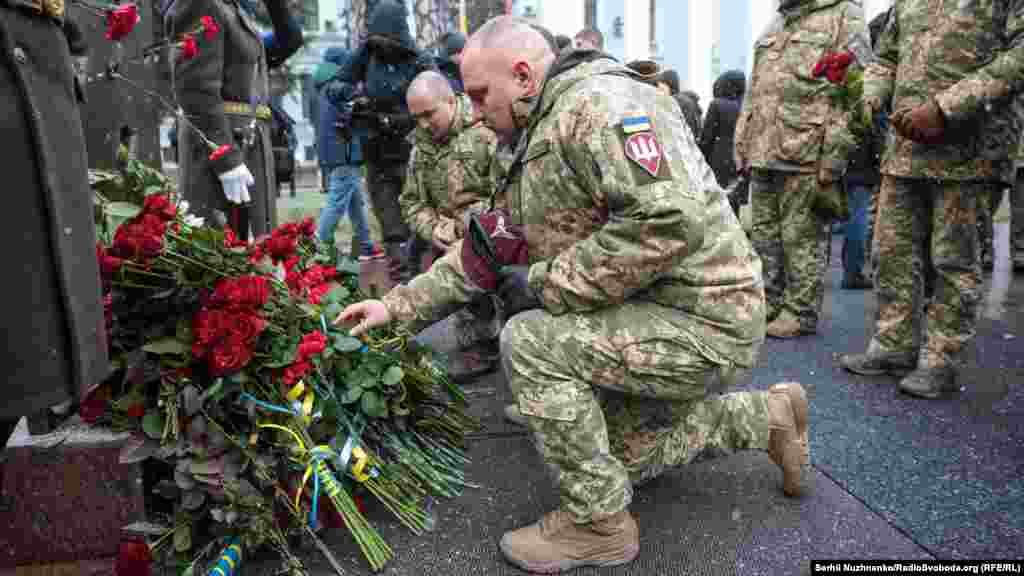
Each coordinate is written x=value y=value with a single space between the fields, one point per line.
x=563 y=17
x=637 y=29
x=700 y=37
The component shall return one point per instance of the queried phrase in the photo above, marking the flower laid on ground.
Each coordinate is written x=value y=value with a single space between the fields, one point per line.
x=268 y=423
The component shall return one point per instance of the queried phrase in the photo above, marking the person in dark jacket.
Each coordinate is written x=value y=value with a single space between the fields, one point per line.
x=56 y=342
x=340 y=155
x=668 y=82
x=224 y=93
x=450 y=58
x=386 y=63
x=716 y=135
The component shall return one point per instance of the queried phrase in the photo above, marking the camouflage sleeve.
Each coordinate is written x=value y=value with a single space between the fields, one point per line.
x=740 y=132
x=416 y=208
x=839 y=140
x=995 y=81
x=652 y=224
x=487 y=171
x=880 y=74
x=433 y=295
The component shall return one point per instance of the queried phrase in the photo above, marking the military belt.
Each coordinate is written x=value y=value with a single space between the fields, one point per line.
x=49 y=8
x=261 y=111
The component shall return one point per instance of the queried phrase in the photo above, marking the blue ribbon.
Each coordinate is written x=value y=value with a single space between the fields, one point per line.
x=268 y=406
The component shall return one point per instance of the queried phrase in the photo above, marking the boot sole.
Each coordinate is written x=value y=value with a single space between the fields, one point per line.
x=628 y=555
x=894 y=371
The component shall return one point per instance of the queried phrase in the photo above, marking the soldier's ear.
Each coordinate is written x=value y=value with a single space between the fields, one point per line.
x=522 y=72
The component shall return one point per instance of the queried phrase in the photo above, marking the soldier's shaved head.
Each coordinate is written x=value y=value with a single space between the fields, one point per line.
x=503 y=63
x=430 y=85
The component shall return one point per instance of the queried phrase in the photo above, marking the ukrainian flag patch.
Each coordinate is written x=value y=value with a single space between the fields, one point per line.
x=634 y=124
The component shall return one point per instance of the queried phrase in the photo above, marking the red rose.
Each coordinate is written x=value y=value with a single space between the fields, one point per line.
x=295 y=372
x=294 y=281
x=312 y=344
x=210 y=27
x=159 y=206
x=836 y=75
x=233 y=241
x=290 y=229
x=224 y=148
x=281 y=247
x=254 y=291
x=330 y=273
x=842 y=60
x=291 y=263
x=207 y=326
x=308 y=227
x=189 y=50
x=125 y=245
x=152 y=224
x=121 y=20
x=228 y=357
x=820 y=68
x=133 y=559
x=313 y=276
x=245 y=327
x=317 y=293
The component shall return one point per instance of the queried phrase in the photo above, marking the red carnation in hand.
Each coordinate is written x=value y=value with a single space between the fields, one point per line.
x=121 y=20
x=189 y=50
x=223 y=148
x=210 y=28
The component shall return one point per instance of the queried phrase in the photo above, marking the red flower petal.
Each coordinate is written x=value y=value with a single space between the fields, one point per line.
x=121 y=21
x=189 y=50
x=210 y=28
x=221 y=150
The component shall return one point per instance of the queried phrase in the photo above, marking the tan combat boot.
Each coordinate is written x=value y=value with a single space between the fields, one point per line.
x=787 y=444
x=556 y=544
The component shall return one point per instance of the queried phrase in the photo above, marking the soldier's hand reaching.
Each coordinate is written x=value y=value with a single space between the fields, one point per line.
x=363 y=316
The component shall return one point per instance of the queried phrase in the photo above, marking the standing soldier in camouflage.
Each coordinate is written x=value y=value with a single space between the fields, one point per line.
x=795 y=141
x=1017 y=211
x=952 y=69
x=449 y=177
x=641 y=300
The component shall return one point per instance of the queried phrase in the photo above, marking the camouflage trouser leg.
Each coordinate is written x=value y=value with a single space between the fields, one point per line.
x=988 y=203
x=792 y=241
x=870 y=252
x=925 y=224
x=654 y=380
x=1017 y=219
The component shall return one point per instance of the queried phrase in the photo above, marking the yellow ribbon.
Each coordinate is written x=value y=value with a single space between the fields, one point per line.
x=361 y=460
x=307 y=403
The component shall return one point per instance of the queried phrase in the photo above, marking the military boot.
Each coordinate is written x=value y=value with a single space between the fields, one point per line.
x=556 y=544
x=929 y=382
x=875 y=362
x=787 y=442
x=513 y=415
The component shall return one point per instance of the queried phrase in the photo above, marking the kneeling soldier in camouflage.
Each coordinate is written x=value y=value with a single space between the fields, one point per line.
x=450 y=176
x=641 y=300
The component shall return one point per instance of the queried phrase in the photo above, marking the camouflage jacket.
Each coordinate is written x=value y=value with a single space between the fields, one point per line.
x=789 y=120
x=447 y=179
x=618 y=205
x=966 y=55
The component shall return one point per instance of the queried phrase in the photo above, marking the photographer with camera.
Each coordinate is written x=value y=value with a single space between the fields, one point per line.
x=386 y=63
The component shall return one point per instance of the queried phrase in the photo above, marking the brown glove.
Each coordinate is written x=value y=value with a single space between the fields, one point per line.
x=925 y=124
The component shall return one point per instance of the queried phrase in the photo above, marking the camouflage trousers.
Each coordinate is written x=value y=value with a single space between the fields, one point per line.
x=1017 y=219
x=988 y=203
x=616 y=396
x=927 y=225
x=793 y=242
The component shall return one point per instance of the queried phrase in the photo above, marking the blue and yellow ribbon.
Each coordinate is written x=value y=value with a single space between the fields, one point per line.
x=230 y=559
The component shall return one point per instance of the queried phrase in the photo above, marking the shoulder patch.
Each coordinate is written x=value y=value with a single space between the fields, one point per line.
x=634 y=124
x=643 y=149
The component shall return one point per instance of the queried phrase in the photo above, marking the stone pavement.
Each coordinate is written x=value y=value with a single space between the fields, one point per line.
x=893 y=477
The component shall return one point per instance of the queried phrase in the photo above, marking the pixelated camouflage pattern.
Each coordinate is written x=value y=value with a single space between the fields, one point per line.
x=793 y=243
x=789 y=120
x=602 y=231
x=614 y=401
x=966 y=55
x=445 y=180
x=908 y=210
